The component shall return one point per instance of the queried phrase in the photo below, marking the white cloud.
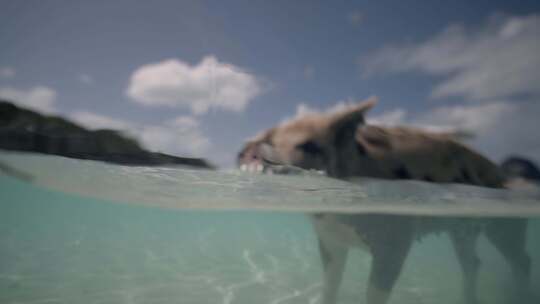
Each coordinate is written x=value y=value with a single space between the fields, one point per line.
x=428 y=121
x=179 y=136
x=475 y=118
x=500 y=128
x=497 y=60
x=39 y=98
x=303 y=109
x=95 y=121
x=86 y=79
x=495 y=68
x=7 y=72
x=391 y=118
x=209 y=84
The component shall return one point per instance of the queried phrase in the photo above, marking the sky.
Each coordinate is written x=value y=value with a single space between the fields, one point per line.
x=198 y=78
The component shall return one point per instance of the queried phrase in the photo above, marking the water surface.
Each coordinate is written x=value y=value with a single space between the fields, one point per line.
x=100 y=239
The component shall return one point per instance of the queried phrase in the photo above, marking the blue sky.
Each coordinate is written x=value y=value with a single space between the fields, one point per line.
x=199 y=77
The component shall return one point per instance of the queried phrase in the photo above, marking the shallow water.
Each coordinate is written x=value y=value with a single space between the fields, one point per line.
x=84 y=247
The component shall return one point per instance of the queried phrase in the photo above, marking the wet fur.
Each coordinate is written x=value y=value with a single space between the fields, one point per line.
x=344 y=146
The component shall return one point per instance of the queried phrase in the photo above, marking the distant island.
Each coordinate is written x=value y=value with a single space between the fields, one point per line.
x=25 y=130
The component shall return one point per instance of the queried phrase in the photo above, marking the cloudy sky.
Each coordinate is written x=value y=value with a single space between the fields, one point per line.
x=199 y=77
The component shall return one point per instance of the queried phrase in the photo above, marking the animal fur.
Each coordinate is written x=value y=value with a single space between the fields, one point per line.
x=343 y=145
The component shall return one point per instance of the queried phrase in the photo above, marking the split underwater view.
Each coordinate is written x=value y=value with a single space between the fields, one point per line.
x=76 y=231
x=269 y=152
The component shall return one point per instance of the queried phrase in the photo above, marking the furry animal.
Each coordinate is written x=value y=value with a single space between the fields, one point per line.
x=520 y=168
x=343 y=145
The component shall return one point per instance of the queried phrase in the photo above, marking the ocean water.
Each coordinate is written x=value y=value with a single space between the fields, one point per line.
x=86 y=232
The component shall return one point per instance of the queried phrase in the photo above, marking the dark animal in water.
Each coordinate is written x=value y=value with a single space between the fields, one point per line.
x=519 y=167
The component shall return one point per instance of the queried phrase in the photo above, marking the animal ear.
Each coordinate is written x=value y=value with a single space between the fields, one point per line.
x=351 y=117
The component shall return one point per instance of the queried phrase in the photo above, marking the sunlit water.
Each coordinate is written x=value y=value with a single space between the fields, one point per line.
x=87 y=232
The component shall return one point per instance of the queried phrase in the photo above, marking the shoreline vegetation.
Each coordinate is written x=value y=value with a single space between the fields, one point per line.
x=26 y=130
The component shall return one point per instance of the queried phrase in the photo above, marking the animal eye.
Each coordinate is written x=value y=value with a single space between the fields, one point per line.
x=310 y=147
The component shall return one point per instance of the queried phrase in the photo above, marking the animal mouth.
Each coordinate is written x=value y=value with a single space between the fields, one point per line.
x=265 y=166
x=253 y=167
x=262 y=165
x=259 y=159
x=263 y=159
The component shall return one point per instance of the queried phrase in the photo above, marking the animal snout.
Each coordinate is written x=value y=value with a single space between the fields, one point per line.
x=250 y=159
x=259 y=158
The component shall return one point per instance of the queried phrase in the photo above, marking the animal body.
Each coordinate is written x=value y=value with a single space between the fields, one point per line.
x=521 y=169
x=344 y=146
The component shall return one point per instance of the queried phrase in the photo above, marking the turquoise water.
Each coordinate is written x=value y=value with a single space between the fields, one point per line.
x=105 y=244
